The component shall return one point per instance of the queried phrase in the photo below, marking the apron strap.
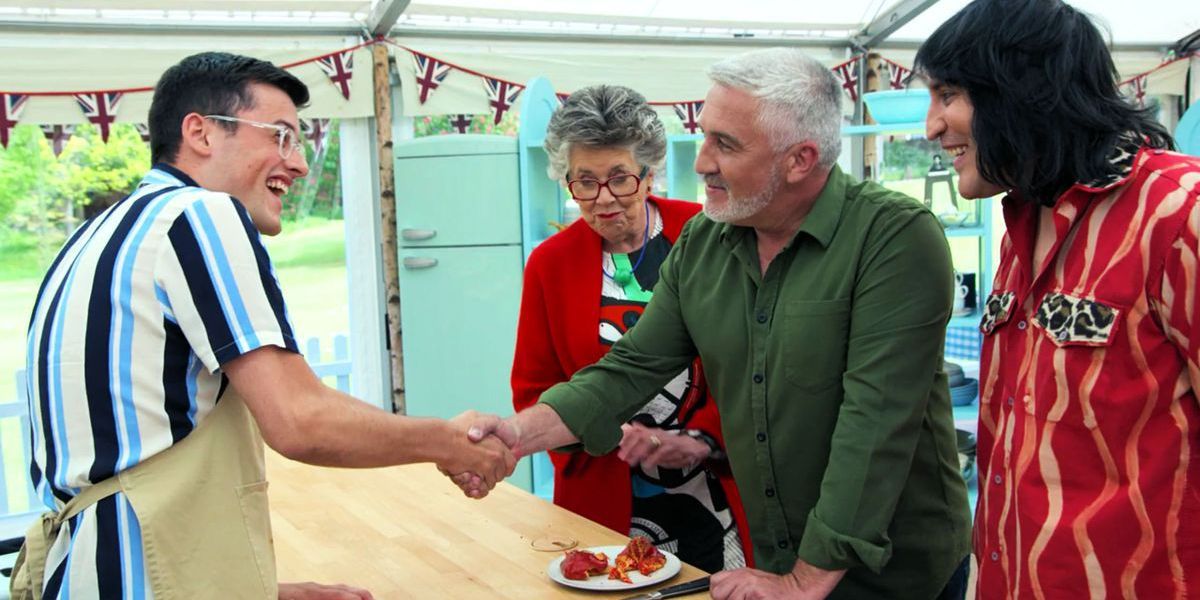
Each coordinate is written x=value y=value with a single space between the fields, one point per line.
x=30 y=569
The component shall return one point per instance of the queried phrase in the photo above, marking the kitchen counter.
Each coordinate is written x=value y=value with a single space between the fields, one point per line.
x=408 y=532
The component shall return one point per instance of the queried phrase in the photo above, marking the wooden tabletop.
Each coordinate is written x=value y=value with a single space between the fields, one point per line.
x=408 y=532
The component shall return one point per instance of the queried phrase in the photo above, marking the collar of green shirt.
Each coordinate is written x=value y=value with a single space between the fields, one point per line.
x=822 y=221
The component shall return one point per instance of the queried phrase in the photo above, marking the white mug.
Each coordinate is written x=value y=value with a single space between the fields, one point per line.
x=960 y=293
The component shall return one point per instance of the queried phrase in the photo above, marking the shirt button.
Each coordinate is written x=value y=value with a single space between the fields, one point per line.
x=1021 y=325
x=995 y=555
x=783 y=544
x=1062 y=335
x=1010 y=400
x=997 y=480
x=758 y=378
x=762 y=317
x=762 y=437
x=770 y=492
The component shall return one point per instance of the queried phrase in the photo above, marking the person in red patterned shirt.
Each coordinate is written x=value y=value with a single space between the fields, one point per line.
x=1089 y=430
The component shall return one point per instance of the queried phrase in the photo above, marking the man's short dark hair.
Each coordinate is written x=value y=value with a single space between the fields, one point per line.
x=1044 y=88
x=210 y=83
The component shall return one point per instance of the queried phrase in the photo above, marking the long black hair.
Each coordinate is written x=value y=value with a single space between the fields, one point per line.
x=1042 y=81
x=210 y=83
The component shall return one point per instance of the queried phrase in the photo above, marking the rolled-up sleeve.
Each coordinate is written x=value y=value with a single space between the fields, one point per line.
x=599 y=398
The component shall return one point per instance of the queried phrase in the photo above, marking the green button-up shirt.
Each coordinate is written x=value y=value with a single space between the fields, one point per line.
x=827 y=371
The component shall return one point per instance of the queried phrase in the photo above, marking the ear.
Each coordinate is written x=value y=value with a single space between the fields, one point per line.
x=800 y=160
x=195 y=135
x=648 y=181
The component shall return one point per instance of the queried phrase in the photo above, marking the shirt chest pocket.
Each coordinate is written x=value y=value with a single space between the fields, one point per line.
x=814 y=343
x=1073 y=383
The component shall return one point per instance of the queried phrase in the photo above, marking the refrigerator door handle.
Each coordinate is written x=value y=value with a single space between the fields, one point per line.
x=417 y=235
x=419 y=262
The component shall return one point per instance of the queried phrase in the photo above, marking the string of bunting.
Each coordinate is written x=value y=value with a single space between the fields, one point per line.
x=1135 y=87
x=100 y=107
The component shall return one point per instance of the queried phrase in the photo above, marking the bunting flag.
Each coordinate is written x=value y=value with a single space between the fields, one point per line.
x=339 y=68
x=501 y=96
x=1136 y=89
x=58 y=135
x=430 y=72
x=143 y=130
x=461 y=123
x=100 y=108
x=847 y=73
x=897 y=74
x=315 y=132
x=689 y=113
x=11 y=106
x=562 y=98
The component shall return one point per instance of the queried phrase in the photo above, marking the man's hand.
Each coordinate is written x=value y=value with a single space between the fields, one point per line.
x=484 y=460
x=805 y=582
x=652 y=447
x=316 y=591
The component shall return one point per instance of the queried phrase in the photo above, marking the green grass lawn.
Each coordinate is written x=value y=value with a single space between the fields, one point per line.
x=309 y=260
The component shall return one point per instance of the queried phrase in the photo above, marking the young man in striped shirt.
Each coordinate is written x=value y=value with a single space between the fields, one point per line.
x=160 y=348
x=1089 y=421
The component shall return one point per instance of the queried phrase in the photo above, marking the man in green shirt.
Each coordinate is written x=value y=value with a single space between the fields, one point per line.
x=818 y=305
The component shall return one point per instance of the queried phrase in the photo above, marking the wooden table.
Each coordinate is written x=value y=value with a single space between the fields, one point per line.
x=408 y=532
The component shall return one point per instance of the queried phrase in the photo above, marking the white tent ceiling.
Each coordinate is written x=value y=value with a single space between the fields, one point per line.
x=657 y=46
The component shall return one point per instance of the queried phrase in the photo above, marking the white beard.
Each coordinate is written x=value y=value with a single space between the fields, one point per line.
x=739 y=209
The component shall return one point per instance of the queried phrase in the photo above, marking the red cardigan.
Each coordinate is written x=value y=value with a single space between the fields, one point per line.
x=557 y=335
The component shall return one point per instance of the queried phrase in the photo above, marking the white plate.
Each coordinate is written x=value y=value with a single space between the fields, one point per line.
x=603 y=583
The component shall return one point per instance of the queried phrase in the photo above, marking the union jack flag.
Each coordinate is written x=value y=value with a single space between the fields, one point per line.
x=316 y=130
x=339 y=68
x=58 y=135
x=847 y=73
x=896 y=74
x=143 y=130
x=1136 y=87
x=562 y=98
x=461 y=123
x=689 y=113
x=100 y=108
x=11 y=106
x=502 y=95
x=430 y=72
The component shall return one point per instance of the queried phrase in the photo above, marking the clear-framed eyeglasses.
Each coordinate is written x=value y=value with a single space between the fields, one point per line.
x=289 y=141
x=621 y=185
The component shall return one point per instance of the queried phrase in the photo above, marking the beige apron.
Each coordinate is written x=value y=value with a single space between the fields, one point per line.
x=202 y=507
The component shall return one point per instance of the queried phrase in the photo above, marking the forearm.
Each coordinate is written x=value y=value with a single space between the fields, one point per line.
x=337 y=430
x=540 y=428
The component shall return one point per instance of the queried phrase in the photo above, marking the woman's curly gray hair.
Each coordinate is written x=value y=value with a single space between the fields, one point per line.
x=610 y=116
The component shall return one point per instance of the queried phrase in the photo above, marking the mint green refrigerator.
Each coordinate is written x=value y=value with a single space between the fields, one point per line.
x=458 y=219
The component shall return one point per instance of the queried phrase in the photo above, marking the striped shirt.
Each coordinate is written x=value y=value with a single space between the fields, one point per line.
x=1089 y=437
x=132 y=322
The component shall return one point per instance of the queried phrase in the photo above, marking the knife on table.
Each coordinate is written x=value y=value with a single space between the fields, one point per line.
x=691 y=587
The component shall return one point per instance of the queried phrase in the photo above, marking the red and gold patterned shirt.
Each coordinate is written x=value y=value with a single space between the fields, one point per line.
x=1089 y=432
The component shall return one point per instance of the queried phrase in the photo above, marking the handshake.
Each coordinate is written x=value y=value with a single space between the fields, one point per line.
x=485 y=448
x=482 y=452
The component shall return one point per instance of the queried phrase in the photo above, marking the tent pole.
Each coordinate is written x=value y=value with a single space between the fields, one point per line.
x=387 y=211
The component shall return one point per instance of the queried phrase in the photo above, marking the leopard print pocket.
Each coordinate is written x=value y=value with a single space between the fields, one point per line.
x=1071 y=320
x=996 y=310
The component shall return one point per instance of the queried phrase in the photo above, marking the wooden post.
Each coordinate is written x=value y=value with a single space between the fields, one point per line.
x=387 y=210
x=873 y=83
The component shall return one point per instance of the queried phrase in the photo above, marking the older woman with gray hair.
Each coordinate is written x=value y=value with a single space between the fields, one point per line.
x=587 y=285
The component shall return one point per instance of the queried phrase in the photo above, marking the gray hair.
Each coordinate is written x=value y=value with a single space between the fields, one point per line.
x=801 y=99
x=610 y=116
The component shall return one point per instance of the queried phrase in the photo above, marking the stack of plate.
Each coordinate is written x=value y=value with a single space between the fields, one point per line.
x=963 y=390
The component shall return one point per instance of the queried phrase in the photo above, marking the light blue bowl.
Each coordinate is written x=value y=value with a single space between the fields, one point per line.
x=898 y=106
